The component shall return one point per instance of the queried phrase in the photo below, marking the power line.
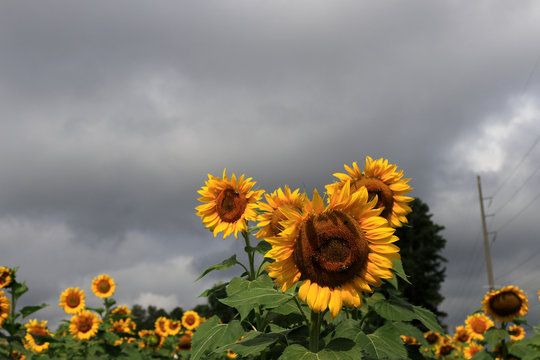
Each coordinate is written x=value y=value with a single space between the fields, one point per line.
x=519 y=213
x=532 y=256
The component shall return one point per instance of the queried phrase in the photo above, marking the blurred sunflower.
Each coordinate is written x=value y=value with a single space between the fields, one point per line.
x=191 y=320
x=150 y=339
x=477 y=324
x=122 y=326
x=505 y=304
x=160 y=326
x=462 y=335
x=228 y=204
x=173 y=326
x=121 y=310
x=338 y=251
x=383 y=180
x=410 y=340
x=231 y=354
x=517 y=332
x=269 y=219
x=432 y=338
x=445 y=349
x=5 y=306
x=184 y=342
x=5 y=277
x=72 y=300
x=84 y=325
x=36 y=328
x=103 y=286
x=472 y=349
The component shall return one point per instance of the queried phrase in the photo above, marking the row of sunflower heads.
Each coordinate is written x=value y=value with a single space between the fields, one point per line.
x=507 y=306
x=336 y=248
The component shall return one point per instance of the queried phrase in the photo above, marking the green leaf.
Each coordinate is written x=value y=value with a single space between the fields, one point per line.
x=297 y=352
x=494 y=336
x=246 y=300
x=29 y=310
x=482 y=355
x=252 y=344
x=429 y=319
x=384 y=343
x=337 y=349
x=19 y=289
x=225 y=264
x=395 y=309
x=410 y=330
x=263 y=247
x=398 y=270
x=211 y=335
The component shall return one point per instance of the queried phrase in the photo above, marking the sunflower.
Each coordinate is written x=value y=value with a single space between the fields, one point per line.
x=160 y=326
x=506 y=304
x=228 y=204
x=272 y=214
x=184 y=342
x=84 y=325
x=432 y=338
x=122 y=326
x=150 y=339
x=36 y=328
x=410 y=340
x=383 y=180
x=121 y=310
x=173 y=326
x=15 y=355
x=445 y=349
x=231 y=354
x=191 y=320
x=5 y=277
x=462 y=335
x=338 y=251
x=72 y=300
x=472 y=349
x=5 y=305
x=477 y=324
x=517 y=332
x=103 y=286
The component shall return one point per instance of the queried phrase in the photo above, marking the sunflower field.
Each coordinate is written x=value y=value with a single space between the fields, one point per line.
x=320 y=281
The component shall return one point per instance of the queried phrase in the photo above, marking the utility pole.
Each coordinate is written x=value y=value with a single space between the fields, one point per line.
x=486 y=243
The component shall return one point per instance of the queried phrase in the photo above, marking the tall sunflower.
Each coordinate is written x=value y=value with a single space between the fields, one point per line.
x=272 y=213
x=383 y=180
x=191 y=320
x=72 y=300
x=5 y=277
x=517 y=332
x=5 y=306
x=478 y=324
x=103 y=286
x=84 y=325
x=228 y=204
x=36 y=328
x=338 y=251
x=506 y=304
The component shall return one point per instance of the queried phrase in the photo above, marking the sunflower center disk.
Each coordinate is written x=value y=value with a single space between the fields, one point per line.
x=330 y=249
x=230 y=205
x=73 y=301
x=505 y=303
x=385 y=198
x=104 y=287
x=85 y=325
x=479 y=327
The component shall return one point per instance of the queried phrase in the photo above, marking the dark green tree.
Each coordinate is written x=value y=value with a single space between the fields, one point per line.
x=420 y=247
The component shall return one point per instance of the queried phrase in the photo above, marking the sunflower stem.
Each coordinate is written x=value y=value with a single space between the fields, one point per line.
x=251 y=256
x=314 y=332
x=301 y=310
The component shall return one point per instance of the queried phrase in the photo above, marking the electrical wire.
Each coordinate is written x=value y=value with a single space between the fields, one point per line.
x=532 y=256
x=519 y=213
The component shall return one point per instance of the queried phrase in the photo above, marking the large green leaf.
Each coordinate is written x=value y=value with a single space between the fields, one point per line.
x=398 y=270
x=482 y=355
x=395 y=309
x=429 y=319
x=494 y=336
x=338 y=349
x=225 y=264
x=246 y=300
x=410 y=330
x=252 y=344
x=29 y=310
x=211 y=335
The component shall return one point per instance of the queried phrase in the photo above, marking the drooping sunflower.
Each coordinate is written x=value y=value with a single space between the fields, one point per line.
x=228 y=204
x=432 y=338
x=517 y=332
x=103 y=286
x=506 y=304
x=5 y=306
x=184 y=342
x=191 y=320
x=84 y=325
x=36 y=328
x=5 y=277
x=338 y=251
x=269 y=219
x=150 y=339
x=160 y=326
x=173 y=326
x=472 y=349
x=381 y=179
x=462 y=335
x=72 y=300
x=478 y=324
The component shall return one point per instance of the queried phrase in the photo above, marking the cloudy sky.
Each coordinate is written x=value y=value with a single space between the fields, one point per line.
x=113 y=113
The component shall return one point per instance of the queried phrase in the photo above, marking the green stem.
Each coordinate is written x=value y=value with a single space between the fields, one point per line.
x=301 y=310
x=314 y=332
x=251 y=256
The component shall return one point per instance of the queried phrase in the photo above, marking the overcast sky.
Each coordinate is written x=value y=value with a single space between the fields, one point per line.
x=113 y=113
